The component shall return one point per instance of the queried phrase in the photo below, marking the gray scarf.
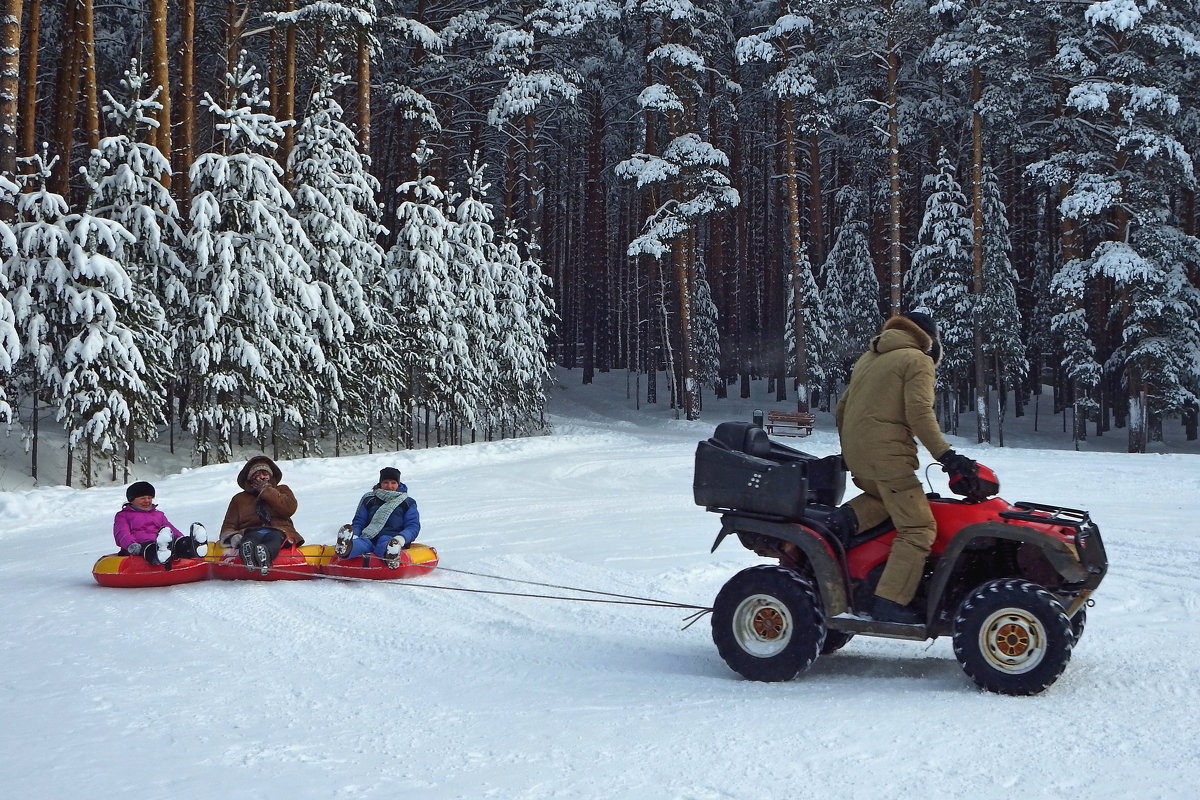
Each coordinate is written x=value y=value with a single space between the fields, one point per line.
x=391 y=501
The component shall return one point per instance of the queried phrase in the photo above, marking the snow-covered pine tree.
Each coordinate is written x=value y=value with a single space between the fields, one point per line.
x=474 y=275
x=996 y=307
x=125 y=177
x=418 y=269
x=1124 y=157
x=939 y=279
x=705 y=332
x=690 y=170
x=253 y=353
x=1160 y=344
x=10 y=341
x=1160 y=322
x=802 y=290
x=337 y=209
x=851 y=294
x=794 y=87
x=70 y=299
x=524 y=312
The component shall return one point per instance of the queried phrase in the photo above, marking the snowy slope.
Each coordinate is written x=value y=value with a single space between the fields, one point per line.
x=327 y=689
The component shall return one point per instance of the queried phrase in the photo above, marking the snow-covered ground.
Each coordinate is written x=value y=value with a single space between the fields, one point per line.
x=329 y=689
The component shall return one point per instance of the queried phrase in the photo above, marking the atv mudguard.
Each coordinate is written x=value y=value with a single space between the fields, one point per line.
x=1061 y=556
x=831 y=578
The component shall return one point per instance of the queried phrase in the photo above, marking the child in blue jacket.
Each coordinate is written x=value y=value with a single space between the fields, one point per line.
x=385 y=523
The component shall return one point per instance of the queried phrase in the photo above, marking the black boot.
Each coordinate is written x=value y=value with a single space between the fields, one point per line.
x=883 y=610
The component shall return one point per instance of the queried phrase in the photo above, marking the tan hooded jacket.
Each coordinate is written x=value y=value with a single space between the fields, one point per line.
x=277 y=501
x=889 y=402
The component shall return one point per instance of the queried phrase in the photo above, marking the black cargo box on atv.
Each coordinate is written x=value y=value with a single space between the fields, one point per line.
x=741 y=469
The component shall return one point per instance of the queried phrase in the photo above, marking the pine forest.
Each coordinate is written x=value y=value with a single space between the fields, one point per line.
x=374 y=224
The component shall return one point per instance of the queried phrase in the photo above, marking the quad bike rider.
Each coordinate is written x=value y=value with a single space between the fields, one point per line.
x=887 y=406
x=1009 y=582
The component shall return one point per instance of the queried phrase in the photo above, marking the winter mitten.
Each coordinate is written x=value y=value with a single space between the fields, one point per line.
x=235 y=541
x=134 y=548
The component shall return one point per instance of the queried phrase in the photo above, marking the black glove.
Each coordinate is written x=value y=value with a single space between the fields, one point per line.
x=958 y=464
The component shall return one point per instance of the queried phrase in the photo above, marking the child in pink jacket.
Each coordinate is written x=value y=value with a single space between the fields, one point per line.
x=139 y=528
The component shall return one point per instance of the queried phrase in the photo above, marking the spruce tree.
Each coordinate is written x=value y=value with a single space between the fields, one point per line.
x=10 y=341
x=337 y=209
x=851 y=293
x=71 y=300
x=939 y=278
x=253 y=353
x=125 y=177
x=418 y=270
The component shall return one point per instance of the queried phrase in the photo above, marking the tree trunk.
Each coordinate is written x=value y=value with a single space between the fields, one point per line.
x=187 y=100
x=287 y=94
x=895 y=245
x=87 y=75
x=363 y=79
x=27 y=116
x=595 y=254
x=816 y=203
x=159 y=60
x=983 y=402
x=10 y=73
x=796 y=260
x=66 y=93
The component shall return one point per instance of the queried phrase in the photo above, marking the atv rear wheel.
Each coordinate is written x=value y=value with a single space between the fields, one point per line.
x=767 y=623
x=1012 y=637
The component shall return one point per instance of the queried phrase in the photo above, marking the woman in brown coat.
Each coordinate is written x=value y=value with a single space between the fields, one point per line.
x=259 y=518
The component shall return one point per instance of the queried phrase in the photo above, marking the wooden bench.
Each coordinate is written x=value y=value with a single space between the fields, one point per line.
x=790 y=423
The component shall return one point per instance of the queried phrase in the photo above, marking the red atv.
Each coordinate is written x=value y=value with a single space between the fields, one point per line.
x=1009 y=582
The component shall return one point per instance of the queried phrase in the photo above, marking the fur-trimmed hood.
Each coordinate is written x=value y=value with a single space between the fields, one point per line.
x=243 y=477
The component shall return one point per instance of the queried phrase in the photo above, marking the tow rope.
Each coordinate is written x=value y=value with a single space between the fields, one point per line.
x=604 y=597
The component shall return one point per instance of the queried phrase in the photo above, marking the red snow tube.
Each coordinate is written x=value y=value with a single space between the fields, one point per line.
x=292 y=564
x=416 y=559
x=127 y=572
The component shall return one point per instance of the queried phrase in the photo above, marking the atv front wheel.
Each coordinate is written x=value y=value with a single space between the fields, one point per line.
x=1078 y=623
x=1012 y=637
x=767 y=623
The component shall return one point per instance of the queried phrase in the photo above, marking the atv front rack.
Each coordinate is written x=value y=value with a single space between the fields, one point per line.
x=1088 y=546
x=1048 y=515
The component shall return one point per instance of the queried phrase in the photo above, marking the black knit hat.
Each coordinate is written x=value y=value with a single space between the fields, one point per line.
x=926 y=323
x=389 y=474
x=139 y=489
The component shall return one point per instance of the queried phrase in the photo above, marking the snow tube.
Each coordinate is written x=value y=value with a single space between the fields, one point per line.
x=292 y=564
x=416 y=559
x=127 y=572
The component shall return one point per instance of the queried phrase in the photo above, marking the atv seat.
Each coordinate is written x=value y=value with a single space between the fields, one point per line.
x=743 y=437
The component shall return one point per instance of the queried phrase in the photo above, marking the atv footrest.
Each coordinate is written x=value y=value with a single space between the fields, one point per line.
x=892 y=630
